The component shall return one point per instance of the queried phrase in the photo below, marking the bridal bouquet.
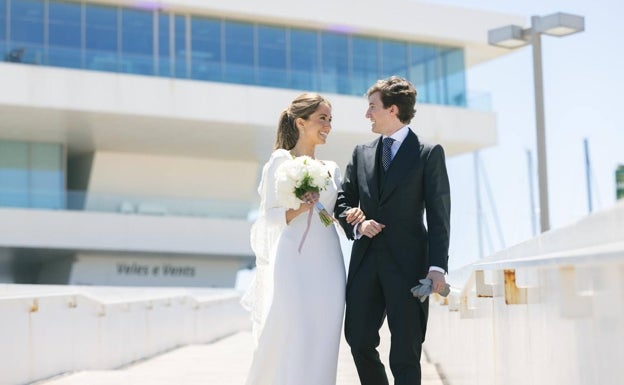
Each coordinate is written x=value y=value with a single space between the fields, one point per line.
x=297 y=176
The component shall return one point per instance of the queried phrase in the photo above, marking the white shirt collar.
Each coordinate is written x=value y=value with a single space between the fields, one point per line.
x=400 y=135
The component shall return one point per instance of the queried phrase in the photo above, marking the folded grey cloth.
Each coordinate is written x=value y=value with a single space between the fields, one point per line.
x=423 y=290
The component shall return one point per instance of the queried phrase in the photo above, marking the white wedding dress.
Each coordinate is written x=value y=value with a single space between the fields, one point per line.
x=297 y=299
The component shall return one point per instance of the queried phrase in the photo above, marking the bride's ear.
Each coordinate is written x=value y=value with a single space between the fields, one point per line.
x=300 y=123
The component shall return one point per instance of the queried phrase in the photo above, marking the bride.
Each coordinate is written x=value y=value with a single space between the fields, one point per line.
x=297 y=297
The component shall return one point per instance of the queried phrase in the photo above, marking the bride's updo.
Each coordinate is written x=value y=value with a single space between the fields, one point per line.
x=302 y=107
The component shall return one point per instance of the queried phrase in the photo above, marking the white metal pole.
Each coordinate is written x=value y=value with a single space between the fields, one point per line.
x=542 y=169
x=531 y=192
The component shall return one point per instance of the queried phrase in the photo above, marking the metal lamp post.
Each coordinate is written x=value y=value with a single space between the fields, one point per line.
x=513 y=36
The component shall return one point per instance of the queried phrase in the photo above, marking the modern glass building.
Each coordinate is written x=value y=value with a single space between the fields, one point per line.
x=132 y=132
x=148 y=41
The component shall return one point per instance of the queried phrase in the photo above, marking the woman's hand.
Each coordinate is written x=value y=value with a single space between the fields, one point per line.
x=309 y=200
x=355 y=215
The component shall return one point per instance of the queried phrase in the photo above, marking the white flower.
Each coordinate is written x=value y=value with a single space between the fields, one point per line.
x=294 y=177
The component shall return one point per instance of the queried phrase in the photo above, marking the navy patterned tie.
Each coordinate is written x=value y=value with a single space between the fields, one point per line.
x=386 y=154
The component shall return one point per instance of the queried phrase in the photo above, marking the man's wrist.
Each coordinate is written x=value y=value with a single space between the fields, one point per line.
x=438 y=269
x=356 y=231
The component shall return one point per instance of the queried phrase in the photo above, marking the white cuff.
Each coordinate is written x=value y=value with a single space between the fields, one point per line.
x=356 y=235
x=435 y=268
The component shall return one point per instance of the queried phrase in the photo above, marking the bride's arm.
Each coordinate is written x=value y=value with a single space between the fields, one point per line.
x=275 y=213
x=292 y=214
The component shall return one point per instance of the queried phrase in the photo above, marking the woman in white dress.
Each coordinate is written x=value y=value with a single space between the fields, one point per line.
x=297 y=297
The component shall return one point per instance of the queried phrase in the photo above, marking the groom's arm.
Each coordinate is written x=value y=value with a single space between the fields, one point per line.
x=438 y=207
x=348 y=195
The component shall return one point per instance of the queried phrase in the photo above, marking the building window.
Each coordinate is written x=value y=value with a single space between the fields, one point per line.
x=102 y=38
x=32 y=175
x=239 y=53
x=423 y=71
x=455 y=77
x=181 y=50
x=64 y=35
x=125 y=39
x=3 y=27
x=272 y=54
x=137 y=41
x=304 y=63
x=206 y=49
x=364 y=64
x=335 y=63
x=165 y=43
x=393 y=59
x=26 y=31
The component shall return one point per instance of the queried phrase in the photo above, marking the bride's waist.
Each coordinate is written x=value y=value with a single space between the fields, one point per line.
x=299 y=225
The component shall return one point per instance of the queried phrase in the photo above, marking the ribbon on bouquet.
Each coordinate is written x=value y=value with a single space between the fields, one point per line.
x=326 y=218
x=305 y=233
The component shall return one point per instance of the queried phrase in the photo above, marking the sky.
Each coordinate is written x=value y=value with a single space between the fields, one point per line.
x=583 y=88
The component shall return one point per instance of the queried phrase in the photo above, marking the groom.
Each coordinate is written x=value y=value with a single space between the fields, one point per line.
x=394 y=180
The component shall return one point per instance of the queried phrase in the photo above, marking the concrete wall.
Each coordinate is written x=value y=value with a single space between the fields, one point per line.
x=76 y=230
x=48 y=330
x=547 y=311
x=173 y=176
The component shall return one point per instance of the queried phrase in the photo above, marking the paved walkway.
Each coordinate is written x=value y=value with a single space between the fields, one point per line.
x=224 y=362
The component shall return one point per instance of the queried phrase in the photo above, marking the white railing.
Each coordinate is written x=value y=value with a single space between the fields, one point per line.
x=547 y=311
x=49 y=330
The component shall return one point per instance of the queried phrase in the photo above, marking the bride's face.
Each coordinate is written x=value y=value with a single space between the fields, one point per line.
x=316 y=128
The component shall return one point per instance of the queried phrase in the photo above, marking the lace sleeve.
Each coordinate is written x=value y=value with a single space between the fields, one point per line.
x=263 y=237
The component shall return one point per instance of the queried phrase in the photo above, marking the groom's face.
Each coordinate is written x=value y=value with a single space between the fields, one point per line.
x=381 y=118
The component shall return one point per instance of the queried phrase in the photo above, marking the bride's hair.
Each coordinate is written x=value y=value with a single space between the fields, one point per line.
x=302 y=107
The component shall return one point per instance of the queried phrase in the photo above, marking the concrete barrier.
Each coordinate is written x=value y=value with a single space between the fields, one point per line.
x=49 y=330
x=547 y=311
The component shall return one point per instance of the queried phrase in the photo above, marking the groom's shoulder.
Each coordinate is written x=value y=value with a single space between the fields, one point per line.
x=428 y=148
x=372 y=143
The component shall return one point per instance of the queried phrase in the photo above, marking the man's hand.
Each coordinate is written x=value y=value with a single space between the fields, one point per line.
x=370 y=228
x=438 y=283
x=355 y=215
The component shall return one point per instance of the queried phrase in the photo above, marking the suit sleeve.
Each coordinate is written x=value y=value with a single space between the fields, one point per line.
x=348 y=195
x=438 y=207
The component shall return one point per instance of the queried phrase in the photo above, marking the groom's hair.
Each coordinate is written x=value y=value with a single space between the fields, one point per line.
x=302 y=107
x=396 y=91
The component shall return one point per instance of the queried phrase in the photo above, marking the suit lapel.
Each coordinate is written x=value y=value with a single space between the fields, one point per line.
x=370 y=168
x=403 y=161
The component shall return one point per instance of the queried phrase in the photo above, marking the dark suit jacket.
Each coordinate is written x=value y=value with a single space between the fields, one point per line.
x=416 y=180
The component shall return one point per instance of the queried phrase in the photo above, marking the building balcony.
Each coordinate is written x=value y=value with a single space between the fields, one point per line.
x=95 y=111
x=126 y=240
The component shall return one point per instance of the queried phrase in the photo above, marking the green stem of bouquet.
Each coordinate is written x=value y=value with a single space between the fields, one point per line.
x=326 y=218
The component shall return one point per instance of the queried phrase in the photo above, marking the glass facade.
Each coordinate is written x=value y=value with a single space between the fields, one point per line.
x=64 y=35
x=80 y=34
x=32 y=175
x=3 y=29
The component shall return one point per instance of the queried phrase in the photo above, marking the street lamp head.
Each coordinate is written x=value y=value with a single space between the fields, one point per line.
x=510 y=36
x=561 y=24
x=558 y=24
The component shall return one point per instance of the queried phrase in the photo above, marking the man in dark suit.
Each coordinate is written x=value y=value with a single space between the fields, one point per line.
x=394 y=180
